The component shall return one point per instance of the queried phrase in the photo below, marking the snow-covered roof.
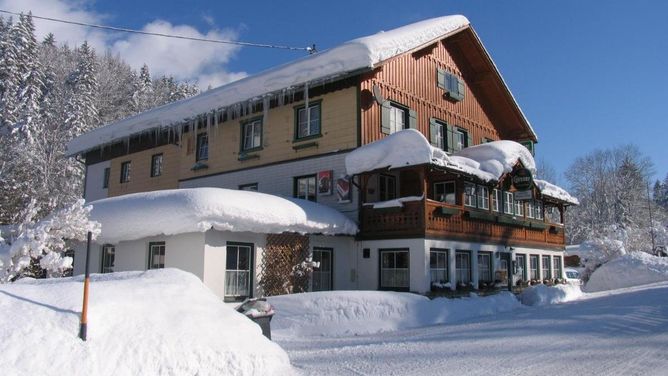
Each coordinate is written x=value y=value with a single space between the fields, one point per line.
x=487 y=162
x=169 y=212
x=352 y=56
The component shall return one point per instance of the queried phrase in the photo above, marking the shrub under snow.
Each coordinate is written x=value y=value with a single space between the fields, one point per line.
x=158 y=322
x=633 y=269
x=540 y=295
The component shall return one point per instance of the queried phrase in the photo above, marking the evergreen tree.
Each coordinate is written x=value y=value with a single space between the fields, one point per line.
x=82 y=112
x=32 y=80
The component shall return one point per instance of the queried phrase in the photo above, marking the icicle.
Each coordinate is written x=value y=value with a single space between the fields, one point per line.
x=308 y=113
x=266 y=102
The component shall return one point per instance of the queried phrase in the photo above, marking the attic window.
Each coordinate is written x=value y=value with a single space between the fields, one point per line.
x=453 y=85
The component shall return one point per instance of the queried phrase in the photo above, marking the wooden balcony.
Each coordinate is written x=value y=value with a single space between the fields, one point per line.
x=439 y=220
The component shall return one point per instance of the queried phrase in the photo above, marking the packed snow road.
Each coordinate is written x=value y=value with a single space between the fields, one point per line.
x=622 y=332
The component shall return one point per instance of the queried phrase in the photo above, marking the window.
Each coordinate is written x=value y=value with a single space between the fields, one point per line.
x=308 y=124
x=438 y=267
x=305 y=187
x=485 y=267
x=445 y=192
x=398 y=117
x=521 y=264
x=202 y=147
x=248 y=187
x=105 y=180
x=387 y=187
x=251 y=135
x=156 y=165
x=394 y=269
x=469 y=195
x=533 y=267
x=547 y=271
x=453 y=85
x=519 y=208
x=530 y=210
x=321 y=278
x=108 y=256
x=238 y=270
x=156 y=255
x=538 y=209
x=508 y=202
x=125 y=172
x=463 y=267
x=437 y=133
x=483 y=197
x=459 y=139
x=556 y=261
x=496 y=199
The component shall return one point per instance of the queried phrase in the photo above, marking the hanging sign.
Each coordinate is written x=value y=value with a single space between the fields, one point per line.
x=343 y=192
x=523 y=195
x=522 y=179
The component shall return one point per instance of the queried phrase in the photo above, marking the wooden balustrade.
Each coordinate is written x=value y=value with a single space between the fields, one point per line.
x=437 y=219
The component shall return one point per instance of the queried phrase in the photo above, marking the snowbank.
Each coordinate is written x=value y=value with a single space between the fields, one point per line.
x=342 y=313
x=159 y=322
x=633 y=269
x=540 y=295
x=352 y=56
x=177 y=211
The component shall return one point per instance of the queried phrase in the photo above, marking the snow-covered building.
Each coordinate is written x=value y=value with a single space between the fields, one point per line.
x=411 y=133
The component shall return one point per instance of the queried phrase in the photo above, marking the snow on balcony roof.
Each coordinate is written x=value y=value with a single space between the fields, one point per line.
x=487 y=162
x=349 y=57
x=177 y=211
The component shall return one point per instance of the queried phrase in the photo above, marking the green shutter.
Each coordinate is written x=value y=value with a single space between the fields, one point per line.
x=440 y=78
x=412 y=118
x=460 y=88
x=469 y=141
x=385 y=117
x=433 y=132
x=450 y=138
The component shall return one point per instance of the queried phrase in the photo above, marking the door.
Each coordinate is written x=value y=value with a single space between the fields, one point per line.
x=321 y=279
x=394 y=269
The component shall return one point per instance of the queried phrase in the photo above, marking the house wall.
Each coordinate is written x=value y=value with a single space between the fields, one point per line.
x=140 y=171
x=95 y=180
x=278 y=179
x=344 y=251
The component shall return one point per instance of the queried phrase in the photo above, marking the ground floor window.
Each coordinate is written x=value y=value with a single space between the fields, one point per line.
x=108 y=256
x=502 y=270
x=547 y=270
x=394 y=269
x=305 y=187
x=521 y=264
x=485 y=267
x=463 y=267
x=156 y=255
x=238 y=270
x=556 y=260
x=533 y=267
x=321 y=279
x=438 y=267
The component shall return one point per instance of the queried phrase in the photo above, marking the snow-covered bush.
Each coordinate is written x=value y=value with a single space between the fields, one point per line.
x=633 y=269
x=42 y=244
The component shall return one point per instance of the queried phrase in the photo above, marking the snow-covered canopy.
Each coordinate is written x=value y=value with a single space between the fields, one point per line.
x=177 y=211
x=352 y=56
x=487 y=162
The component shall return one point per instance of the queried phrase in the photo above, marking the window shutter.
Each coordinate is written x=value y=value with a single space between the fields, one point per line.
x=450 y=138
x=385 y=117
x=469 y=141
x=460 y=88
x=412 y=118
x=433 y=132
x=440 y=78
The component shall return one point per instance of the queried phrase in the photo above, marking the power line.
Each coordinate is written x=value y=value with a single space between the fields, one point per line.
x=309 y=49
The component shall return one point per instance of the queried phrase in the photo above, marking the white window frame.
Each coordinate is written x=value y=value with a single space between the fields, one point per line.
x=487 y=271
x=538 y=209
x=398 y=118
x=459 y=137
x=463 y=272
x=496 y=198
x=440 y=269
x=482 y=197
x=547 y=273
x=313 y=128
x=252 y=135
x=557 y=266
x=519 y=208
x=470 y=198
x=508 y=200
x=533 y=269
x=530 y=209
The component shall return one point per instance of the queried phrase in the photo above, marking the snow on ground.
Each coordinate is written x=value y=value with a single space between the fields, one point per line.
x=168 y=212
x=159 y=322
x=633 y=269
x=621 y=332
x=339 y=313
x=545 y=295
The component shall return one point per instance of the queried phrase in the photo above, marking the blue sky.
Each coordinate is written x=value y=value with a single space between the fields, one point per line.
x=587 y=74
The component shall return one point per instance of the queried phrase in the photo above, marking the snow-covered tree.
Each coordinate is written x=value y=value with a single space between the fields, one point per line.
x=44 y=242
x=82 y=112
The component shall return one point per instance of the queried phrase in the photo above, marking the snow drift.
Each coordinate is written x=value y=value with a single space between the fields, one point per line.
x=157 y=322
x=632 y=269
x=540 y=295
x=176 y=211
x=342 y=313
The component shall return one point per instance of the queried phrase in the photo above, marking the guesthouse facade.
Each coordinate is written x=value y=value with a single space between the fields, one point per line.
x=412 y=134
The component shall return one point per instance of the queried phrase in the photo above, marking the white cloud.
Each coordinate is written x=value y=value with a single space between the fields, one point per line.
x=183 y=59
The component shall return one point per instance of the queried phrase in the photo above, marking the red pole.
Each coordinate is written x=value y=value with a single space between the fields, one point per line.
x=83 y=324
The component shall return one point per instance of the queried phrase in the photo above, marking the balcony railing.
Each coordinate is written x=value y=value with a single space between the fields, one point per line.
x=438 y=219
